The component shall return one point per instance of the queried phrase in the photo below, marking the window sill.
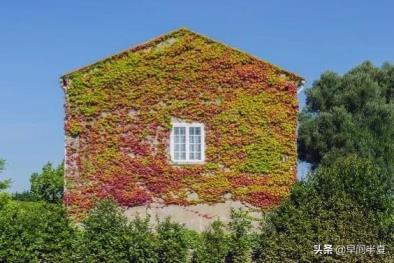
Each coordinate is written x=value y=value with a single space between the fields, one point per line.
x=180 y=163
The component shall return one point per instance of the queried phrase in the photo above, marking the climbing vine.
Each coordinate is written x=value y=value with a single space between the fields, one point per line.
x=118 y=121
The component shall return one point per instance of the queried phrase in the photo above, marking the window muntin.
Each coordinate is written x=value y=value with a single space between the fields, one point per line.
x=187 y=143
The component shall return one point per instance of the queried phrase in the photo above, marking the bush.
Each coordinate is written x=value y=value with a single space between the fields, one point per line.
x=143 y=244
x=173 y=242
x=214 y=245
x=104 y=235
x=241 y=240
x=342 y=204
x=35 y=232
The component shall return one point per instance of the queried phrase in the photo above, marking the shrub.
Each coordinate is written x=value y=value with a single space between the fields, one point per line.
x=143 y=244
x=172 y=242
x=241 y=243
x=35 y=232
x=214 y=245
x=104 y=235
x=342 y=204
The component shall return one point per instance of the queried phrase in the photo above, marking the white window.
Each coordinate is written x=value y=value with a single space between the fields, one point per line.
x=187 y=142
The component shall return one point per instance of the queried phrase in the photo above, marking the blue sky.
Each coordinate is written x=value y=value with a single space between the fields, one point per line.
x=41 y=40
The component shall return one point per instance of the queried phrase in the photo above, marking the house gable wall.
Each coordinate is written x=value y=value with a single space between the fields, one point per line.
x=118 y=122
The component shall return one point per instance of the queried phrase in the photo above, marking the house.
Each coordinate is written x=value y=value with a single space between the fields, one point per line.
x=181 y=125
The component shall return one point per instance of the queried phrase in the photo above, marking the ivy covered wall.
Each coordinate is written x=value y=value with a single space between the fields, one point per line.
x=118 y=121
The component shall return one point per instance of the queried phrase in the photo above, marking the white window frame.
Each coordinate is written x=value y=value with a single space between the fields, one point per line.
x=187 y=125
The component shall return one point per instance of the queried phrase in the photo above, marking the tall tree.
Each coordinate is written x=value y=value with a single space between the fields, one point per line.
x=347 y=133
x=352 y=113
x=4 y=184
x=48 y=185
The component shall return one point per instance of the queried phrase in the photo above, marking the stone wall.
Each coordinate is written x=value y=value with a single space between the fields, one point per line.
x=194 y=217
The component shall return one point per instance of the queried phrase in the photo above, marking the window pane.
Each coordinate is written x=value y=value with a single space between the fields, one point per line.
x=195 y=143
x=179 y=143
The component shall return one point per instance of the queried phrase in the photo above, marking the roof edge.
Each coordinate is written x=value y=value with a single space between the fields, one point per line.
x=164 y=35
x=134 y=47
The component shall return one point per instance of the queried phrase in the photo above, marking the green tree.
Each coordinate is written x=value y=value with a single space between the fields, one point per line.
x=352 y=113
x=347 y=133
x=4 y=184
x=24 y=196
x=48 y=185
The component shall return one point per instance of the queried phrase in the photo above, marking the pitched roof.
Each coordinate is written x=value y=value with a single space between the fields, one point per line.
x=176 y=33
